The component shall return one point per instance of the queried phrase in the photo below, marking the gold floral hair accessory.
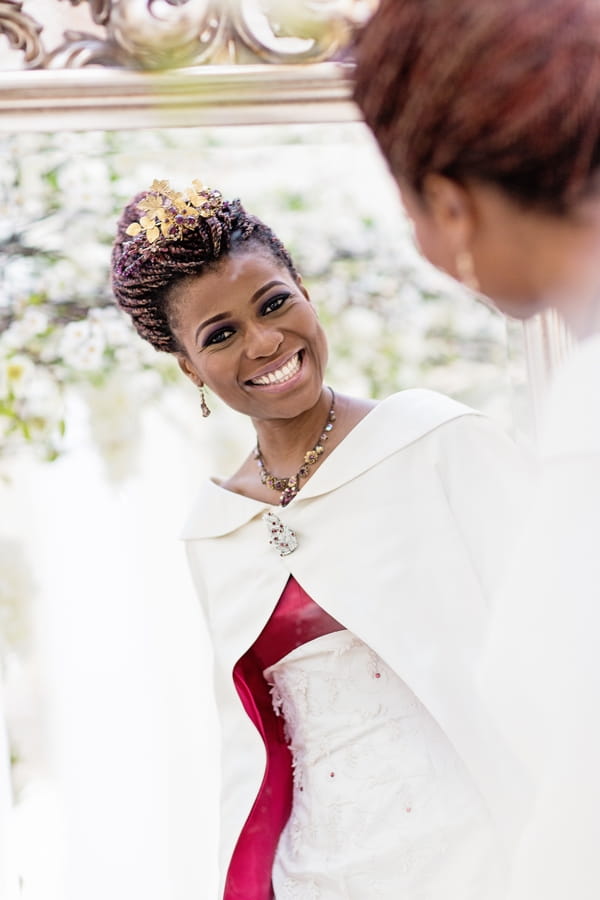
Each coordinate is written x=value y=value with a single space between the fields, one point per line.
x=169 y=213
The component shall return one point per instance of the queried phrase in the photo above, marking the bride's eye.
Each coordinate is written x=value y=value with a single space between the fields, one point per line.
x=217 y=337
x=274 y=303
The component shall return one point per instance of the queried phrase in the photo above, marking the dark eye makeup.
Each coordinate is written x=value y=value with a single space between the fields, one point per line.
x=218 y=336
x=274 y=303
x=269 y=306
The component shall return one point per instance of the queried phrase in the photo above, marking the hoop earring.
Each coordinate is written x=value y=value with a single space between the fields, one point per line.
x=466 y=270
x=203 y=405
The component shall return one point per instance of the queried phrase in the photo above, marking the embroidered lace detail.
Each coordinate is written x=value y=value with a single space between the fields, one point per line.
x=382 y=804
x=292 y=890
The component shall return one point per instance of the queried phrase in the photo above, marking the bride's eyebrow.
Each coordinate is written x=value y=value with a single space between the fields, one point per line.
x=258 y=294
x=218 y=318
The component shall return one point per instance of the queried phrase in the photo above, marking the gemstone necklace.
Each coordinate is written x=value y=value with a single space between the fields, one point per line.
x=290 y=486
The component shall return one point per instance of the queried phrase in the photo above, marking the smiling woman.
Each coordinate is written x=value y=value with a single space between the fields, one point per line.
x=261 y=340
x=356 y=755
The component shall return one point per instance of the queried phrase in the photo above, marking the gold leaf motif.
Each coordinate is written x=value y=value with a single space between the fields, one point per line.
x=151 y=203
x=163 y=207
x=159 y=187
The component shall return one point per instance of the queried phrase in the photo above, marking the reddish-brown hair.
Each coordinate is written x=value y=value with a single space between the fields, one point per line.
x=502 y=91
x=142 y=281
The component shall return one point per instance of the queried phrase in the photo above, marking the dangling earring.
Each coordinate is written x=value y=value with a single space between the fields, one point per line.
x=203 y=404
x=466 y=270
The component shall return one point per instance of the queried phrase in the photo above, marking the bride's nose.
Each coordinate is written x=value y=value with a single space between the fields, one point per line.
x=262 y=341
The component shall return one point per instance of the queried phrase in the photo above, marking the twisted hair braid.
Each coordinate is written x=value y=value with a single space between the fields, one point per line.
x=143 y=274
x=502 y=91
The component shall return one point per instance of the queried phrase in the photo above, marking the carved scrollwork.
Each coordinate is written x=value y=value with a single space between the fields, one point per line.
x=100 y=10
x=81 y=49
x=281 y=32
x=168 y=34
x=22 y=31
x=146 y=34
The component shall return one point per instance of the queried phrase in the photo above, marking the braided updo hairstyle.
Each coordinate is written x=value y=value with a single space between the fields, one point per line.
x=501 y=91
x=143 y=275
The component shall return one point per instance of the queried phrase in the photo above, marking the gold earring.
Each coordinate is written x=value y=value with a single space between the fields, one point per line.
x=466 y=270
x=203 y=404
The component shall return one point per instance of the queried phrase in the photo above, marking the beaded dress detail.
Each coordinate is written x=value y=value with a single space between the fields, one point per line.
x=378 y=804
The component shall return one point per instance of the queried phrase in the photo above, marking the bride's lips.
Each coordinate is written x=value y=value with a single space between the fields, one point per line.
x=280 y=374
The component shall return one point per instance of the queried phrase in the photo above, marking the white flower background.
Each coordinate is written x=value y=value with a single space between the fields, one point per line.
x=105 y=658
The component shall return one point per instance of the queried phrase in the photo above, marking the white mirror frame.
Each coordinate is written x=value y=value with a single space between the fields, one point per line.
x=113 y=99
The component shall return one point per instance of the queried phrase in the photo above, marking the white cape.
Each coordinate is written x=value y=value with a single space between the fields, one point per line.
x=402 y=534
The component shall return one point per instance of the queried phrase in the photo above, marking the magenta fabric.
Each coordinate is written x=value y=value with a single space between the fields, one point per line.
x=295 y=620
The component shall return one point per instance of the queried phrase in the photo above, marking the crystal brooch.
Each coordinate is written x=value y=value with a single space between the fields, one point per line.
x=281 y=535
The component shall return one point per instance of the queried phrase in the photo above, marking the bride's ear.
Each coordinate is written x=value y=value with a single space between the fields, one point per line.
x=187 y=369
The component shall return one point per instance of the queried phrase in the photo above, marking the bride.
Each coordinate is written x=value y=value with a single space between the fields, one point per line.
x=345 y=570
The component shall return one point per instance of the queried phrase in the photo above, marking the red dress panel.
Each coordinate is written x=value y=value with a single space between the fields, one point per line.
x=295 y=620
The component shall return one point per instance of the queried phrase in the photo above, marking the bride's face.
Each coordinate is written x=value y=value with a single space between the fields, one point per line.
x=250 y=333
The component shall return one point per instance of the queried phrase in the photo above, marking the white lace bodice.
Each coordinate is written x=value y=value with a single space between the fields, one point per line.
x=383 y=808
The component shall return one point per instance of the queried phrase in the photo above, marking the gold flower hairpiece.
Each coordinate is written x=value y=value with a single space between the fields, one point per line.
x=168 y=213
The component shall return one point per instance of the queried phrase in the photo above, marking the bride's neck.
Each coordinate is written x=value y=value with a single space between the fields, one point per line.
x=283 y=442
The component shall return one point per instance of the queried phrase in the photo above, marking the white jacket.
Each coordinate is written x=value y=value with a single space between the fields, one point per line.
x=402 y=534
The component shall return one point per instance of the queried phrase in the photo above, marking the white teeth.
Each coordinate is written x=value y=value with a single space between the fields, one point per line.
x=279 y=376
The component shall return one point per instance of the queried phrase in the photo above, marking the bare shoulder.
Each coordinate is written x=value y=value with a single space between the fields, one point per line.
x=360 y=406
x=351 y=410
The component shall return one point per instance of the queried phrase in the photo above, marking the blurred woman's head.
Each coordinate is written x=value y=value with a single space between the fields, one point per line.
x=505 y=93
x=503 y=96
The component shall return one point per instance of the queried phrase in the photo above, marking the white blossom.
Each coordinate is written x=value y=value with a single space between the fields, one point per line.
x=112 y=323
x=60 y=280
x=19 y=277
x=82 y=346
x=17 y=373
x=362 y=324
x=21 y=331
x=43 y=400
x=85 y=184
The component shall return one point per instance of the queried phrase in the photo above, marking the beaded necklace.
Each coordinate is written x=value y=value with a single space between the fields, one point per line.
x=290 y=486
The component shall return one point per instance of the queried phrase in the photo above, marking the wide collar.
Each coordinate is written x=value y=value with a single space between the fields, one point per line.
x=394 y=423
